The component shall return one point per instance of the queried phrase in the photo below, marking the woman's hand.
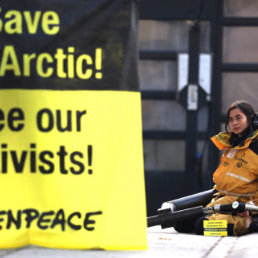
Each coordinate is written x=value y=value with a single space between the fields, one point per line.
x=244 y=214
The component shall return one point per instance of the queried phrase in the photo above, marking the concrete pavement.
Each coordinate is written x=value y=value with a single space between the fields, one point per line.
x=162 y=243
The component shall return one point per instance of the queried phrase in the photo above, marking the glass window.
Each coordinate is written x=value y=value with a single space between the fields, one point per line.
x=163 y=115
x=240 y=8
x=237 y=86
x=240 y=44
x=164 y=155
x=158 y=75
x=170 y=35
x=202 y=148
x=203 y=119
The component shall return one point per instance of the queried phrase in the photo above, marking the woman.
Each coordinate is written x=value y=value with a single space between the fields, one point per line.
x=236 y=178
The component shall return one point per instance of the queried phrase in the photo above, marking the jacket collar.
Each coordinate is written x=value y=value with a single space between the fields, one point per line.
x=222 y=142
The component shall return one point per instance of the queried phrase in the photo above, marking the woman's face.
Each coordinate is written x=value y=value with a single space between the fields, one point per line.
x=237 y=121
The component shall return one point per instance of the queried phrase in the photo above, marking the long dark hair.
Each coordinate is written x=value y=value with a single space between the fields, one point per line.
x=245 y=107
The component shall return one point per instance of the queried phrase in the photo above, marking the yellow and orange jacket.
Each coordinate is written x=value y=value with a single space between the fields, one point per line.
x=237 y=174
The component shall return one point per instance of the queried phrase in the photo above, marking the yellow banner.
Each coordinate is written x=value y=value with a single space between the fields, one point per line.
x=71 y=168
x=215 y=227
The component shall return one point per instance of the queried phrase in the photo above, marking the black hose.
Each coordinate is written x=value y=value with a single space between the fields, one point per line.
x=174 y=217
